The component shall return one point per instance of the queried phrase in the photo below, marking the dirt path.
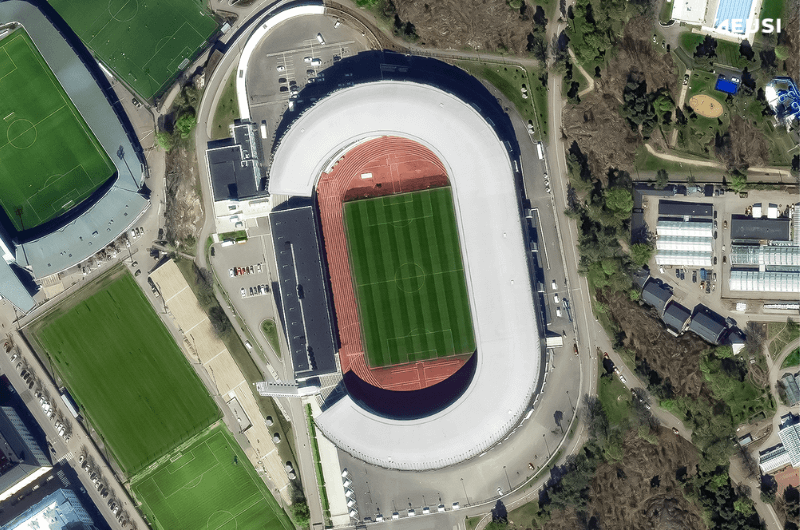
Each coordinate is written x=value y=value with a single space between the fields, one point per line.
x=589 y=78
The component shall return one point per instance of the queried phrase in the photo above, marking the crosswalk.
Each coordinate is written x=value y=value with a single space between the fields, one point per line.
x=63 y=478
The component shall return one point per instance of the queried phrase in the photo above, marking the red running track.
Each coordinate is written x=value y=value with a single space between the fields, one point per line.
x=397 y=165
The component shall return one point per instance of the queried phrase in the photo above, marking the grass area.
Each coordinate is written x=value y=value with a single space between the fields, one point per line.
x=615 y=398
x=144 y=43
x=666 y=12
x=409 y=277
x=793 y=359
x=701 y=82
x=49 y=159
x=227 y=110
x=509 y=79
x=472 y=522
x=237 y=235
x=527 y=516
x=780 y=334
x=743 y=397
x=243 y=360
x=323 y=493
x=128 y=374
x=209 y=484
x=689 y=41
x=773 y=9
x=271 y=333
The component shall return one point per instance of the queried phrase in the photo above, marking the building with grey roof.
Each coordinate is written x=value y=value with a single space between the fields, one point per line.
x=765 y=281
x=789 y=433
x=675 y=316
x=304 y=294
x=234 y=164
x=656 y=294
x=79 y=237
x=685 y=209
x=706 y=327
x=60 y=510
x=791 y=382
x=745 y=229
x=22 y=461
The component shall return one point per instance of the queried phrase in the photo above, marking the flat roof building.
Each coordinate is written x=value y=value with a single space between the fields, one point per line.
x=706 y=327
x=676 y=316
x=22 y=461
x=765 y=255
x=789 y=433
x=304 y=294
x=60 y=510
x=773 y=459
x=791 y=382
x=234 y=166
x=749 y=229
x=685 y=209
x=766 y=281
x=690 y=11
x=655 y=294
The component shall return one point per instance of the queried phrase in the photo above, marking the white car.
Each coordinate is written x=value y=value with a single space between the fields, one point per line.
x=456 y=506
x=558 y=311
x=555 y=298
x=230 y=271
x=554 y=285
x=259 y=268
x=307 y=59
x=281 y=68
x=244 y=293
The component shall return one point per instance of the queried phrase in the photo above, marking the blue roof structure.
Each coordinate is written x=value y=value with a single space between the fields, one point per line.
x=731 y=10
x=727 y=86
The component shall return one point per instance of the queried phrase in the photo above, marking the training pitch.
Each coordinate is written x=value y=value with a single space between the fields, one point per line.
x=124 y=368
x=144 y=41
x=49 y=159
x=409 y=278
x=208 y=485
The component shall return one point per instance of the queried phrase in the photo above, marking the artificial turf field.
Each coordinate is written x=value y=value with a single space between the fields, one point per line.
x=143 y=41
x=49 y=159
x=124 y=368
x=409 y=277
x=206 y=486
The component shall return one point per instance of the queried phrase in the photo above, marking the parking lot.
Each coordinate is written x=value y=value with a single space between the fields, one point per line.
x=291 y=57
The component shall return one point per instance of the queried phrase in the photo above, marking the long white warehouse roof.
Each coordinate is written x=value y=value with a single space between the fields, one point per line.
x=493 y=251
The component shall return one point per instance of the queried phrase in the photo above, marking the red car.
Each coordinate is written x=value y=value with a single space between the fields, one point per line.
x=575 y=348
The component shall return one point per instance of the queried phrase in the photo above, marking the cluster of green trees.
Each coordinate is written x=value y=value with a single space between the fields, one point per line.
x=595 y=26
x=184 y=111
x=643 y=110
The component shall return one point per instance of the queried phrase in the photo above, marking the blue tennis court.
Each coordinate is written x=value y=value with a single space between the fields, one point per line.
x=733 y=10
x=724 y=85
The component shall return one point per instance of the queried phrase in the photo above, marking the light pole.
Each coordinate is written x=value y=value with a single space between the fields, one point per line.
x=570 y=401
x=508 y=479
x=465 y=490
x=545 y=444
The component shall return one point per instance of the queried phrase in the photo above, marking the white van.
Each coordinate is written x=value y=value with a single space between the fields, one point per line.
x=320 y=39
x=540 y=150
x=264 y=129
x=315 y=62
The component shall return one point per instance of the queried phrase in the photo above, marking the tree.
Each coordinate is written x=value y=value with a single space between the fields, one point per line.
x=662 y=178
x=738 y=183
x=619 y=202
x=164 y=140
x=301 y=514
x=186 y=124
x=641 y=253
x=219 y=320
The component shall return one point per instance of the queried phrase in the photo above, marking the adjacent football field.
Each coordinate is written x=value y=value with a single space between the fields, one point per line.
x=207 y=486
x=144 y=42
x=409 y=277
x=49 y=159
x=122 y=365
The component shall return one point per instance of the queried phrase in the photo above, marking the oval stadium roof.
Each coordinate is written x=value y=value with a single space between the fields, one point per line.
x=494 y=255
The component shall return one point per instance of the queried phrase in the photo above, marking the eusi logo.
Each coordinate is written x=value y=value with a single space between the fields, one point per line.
x=739 y=25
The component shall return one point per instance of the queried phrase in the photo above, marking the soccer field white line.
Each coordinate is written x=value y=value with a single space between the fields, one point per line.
x=425 y=275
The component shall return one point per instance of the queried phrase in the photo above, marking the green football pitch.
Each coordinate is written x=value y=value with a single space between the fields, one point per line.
x=208 y=485
x=409 y=277
x=49 y=159
x=143 y=41
x=123 y=367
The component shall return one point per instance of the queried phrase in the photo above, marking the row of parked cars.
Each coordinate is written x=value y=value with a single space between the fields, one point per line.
x=256 y=290
x=243 y=271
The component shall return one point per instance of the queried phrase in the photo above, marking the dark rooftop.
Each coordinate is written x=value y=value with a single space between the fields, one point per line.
x=304 y=292
x=234 y=165
x=684 y=208
x=676 y=316
x=756 y=229
x=706 y=327
x=656 y=295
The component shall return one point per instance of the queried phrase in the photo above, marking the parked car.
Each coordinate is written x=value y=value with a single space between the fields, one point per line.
x=558 y=311
x=230 y=272
x=686 y=79
x=244 y=293
x=555 y=298
x=694 y=276
x=281 y=68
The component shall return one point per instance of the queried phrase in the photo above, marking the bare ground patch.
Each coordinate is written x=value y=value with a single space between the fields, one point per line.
x=184 y=208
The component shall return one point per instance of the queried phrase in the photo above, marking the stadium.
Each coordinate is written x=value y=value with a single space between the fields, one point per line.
x=83 y=165
x=403 y=271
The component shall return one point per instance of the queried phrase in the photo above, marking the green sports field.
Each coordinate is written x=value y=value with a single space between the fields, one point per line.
x=123 y=367
x=49 y=159
x=208 y=485
x=409 y=277
x=143 y=41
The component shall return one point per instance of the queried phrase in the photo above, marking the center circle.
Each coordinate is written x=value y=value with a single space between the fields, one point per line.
x=123 y=10
x=21 y=134
x=409 y=277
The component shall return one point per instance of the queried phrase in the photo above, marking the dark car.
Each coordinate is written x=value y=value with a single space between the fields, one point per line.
x=678 y=273
x=284 y=88
x=715 y=234
x=281 y=80
x=715 y=260
x=694 y=276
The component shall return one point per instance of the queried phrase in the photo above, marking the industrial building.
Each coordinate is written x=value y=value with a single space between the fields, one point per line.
x=754 y=229
x=22 y=461
x=657 y=295
x=685 y=243
x=61 y=510
x=676 y=316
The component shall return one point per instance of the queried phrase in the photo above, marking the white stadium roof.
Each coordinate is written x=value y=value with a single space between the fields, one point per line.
x=493 y=251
